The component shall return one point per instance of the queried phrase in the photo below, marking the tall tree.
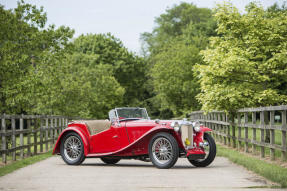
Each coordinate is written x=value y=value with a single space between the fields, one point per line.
x=129 y=70
x=245 y=66
x=25 y=43
x=172 y=49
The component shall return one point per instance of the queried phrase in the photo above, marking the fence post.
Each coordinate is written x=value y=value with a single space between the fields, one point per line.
x=219 y=127
x=224 y=128
x=21 y=138
x=29 y=137
x=13 y=139
x=228 y=131
x=272 y=136
x=262 y=140
x=63 y=124
x=41 y=134
x=233 y=133
x=284 y=129
x=246 y=132
x=239 y=130
x=51 y=132
x=4 y=143
x=46 y=133
x=55 y=129
x=254 y=132
x=35 y=136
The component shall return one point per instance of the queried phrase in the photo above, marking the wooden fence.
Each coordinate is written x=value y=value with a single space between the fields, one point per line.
x=257 y=130
x=26 y=135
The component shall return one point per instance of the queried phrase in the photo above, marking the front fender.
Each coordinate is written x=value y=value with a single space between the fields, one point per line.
x=77 y=130
x=199 y=136
x=204 y=129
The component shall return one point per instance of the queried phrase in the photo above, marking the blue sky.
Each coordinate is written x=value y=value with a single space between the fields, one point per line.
x=126 y=19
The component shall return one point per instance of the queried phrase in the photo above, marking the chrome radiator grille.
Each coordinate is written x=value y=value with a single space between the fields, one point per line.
x=187 y=133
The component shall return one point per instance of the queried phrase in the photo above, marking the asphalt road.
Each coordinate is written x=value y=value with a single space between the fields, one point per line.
x=131 y=175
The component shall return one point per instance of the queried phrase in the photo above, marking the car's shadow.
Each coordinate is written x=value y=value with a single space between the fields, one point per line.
x=138 y=165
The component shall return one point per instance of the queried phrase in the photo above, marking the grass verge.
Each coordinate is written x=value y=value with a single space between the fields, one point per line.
x=24 y=162
x=273 y=172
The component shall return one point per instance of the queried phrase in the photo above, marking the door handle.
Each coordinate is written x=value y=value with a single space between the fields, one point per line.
x=115 y=136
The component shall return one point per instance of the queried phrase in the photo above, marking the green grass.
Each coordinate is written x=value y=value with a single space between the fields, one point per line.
x=24 y=162
x=273 y=172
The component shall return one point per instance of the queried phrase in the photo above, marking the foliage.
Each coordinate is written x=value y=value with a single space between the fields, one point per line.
x=183 y=19
x=245 y=65
x=26 y=48
x=43 y=72
x=88 y=90
x=173 y=79
x=129 y=70
x=172 y=49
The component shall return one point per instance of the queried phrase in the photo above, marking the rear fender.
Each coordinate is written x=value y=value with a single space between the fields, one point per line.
x=77 y=130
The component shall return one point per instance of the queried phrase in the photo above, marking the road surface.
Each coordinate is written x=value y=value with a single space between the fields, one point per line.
x=130 y=175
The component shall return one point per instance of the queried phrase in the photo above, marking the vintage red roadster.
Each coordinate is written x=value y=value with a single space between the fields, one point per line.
x=130 y=134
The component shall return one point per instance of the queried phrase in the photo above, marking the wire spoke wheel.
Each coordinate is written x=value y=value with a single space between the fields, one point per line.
x=72 y=148
x=163 y=150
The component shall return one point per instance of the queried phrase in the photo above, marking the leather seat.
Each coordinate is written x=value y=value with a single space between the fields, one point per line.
x=96 y=126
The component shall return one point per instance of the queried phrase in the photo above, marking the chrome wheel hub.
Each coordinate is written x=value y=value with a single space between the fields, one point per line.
x=162 y=150
x=72 y=148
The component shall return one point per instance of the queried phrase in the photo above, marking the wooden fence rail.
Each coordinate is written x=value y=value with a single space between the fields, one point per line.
x=26 y=135
x=256 y=130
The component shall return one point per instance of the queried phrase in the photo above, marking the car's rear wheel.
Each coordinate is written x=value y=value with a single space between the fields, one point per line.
x=163 y=150
x=72 y=149
x=210 y=151
x=110 y=160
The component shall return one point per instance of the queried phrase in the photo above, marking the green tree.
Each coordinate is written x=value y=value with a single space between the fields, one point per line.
x=26 y=46
x=183 y=19
x=129 y=70
x=245 y=66
x=89 y=90
x=171 y=50
x=173 y=78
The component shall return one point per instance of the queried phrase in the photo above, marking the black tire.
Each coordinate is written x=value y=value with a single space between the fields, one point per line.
x=174 y=150
x=211 y=155
x=81 y=156
x=110 y=160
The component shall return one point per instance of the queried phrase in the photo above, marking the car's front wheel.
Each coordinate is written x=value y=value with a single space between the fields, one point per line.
x=110 y=160
x=163 y=150
x=210 y=151
x=72 y=149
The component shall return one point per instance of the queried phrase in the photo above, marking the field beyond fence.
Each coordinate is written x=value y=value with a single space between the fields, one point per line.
x=26 y=135
x=261 y=131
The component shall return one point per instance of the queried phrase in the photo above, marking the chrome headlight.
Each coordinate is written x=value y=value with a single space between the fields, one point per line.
x=196 y=126
x=175 y=125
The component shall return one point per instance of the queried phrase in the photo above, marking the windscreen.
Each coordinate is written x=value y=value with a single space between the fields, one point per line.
x=131 y=113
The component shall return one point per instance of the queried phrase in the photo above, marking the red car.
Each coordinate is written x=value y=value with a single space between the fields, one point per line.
x=130 y=134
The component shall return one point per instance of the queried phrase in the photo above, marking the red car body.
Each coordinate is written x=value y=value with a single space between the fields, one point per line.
x=130 y=139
